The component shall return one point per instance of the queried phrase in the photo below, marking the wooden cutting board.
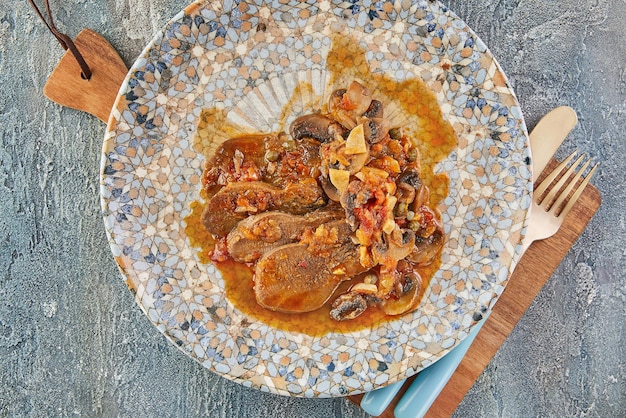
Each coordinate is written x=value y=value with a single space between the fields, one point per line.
x=532 y=272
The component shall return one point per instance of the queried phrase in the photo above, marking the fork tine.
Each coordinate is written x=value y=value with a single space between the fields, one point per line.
x=578 y=192
x=561 y=198
x=557 y=187
x=541 y=189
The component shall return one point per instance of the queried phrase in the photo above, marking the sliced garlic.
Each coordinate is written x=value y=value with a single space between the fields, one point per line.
x=389 y=226
x=340 y=179
x=355 y=144
x=364 y=288
x=391 y=203
x=374 y=172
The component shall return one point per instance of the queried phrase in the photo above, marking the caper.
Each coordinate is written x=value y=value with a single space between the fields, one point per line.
x=410 y=215
x=395 y=133
x=271 y=155
x=414 y=225
x=401 y=209
x=412 y=154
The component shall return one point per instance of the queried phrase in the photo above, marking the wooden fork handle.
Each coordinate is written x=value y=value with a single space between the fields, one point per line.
x=97 y=95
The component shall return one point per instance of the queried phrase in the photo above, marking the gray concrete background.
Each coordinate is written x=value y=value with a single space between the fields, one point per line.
x=73 y=341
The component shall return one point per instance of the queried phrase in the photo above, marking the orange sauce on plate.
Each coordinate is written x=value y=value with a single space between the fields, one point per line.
x=435 y=139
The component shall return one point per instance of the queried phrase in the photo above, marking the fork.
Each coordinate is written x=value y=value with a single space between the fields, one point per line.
x=550 y=205
x=547 y=212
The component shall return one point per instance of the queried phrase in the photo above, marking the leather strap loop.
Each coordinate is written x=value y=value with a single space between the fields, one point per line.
x=65 y=41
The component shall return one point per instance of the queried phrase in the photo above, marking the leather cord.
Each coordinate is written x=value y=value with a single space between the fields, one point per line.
x=65 y=41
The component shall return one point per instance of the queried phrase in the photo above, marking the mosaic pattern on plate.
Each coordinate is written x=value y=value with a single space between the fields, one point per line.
x=247 y=58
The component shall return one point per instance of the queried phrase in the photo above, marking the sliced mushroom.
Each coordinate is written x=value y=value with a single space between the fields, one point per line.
x=330 y=189
x=429 y=236
x=348 y=306
x=422 y=197
x=375 y=110
x=357 y=98
x=357 y=162
x=427 y=249
x=395 y=246
x=407 y=296
x=357 y=195
x=345 y=106
x=376 y=130
x=315 y=126
x=405 y=193
x=411 y=177
x=335 y=99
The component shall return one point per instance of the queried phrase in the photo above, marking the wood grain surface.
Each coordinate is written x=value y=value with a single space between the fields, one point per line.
x=96 y=95
x=532 y=272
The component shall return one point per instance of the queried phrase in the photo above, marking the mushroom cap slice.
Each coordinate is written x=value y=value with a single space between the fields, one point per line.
x=409 y=299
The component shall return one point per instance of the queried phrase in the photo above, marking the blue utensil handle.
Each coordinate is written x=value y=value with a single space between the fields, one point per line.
x=430 y=381
x=375 y=402
x=426 y=386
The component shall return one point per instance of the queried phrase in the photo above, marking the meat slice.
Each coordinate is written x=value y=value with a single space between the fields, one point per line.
x=236 y=201
x=274 y=159
x=301 y=277
x=224 y=167
x=258 y=234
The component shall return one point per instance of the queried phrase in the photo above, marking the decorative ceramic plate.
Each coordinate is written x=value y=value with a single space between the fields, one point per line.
x=257 y=65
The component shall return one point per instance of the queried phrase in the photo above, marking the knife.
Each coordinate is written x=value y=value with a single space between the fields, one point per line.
x=545 y=139
x=548 y=136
